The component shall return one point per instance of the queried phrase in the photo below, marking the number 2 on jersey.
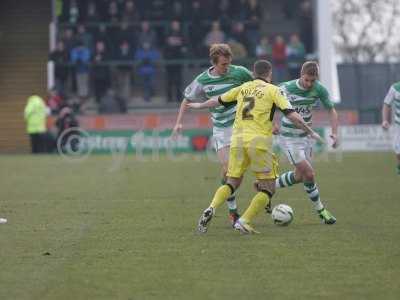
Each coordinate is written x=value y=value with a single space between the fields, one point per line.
x=249 y=105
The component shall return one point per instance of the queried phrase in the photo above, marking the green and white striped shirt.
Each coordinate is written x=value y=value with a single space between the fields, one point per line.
x=207 y=85
x=303 y=102
x=393 y=99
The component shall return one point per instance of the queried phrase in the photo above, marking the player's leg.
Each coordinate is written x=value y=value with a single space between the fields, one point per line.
x=266 y=189
x=222 y=138
x=264 y=165
x=223 y=157
x=294 y=149
x=299 y=152
x=311 y=188
x=288 y=179
x=221 y=195
x=236 y=167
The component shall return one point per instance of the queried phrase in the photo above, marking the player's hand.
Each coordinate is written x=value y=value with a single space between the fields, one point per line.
x=385 y=125
x=194 y=105
x=177 y=130
x=317 y=137
x=335 y=140
x=275 y=129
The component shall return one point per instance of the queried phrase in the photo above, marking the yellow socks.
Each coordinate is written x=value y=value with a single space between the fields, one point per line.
x=257 y=204
x=221 y=195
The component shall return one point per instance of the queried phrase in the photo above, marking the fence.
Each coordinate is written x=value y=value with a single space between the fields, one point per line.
x=363 y=87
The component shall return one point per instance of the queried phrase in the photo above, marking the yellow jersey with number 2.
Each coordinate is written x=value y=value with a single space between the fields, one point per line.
x=256 y=104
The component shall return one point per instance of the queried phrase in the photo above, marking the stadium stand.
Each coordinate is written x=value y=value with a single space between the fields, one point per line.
x=239 y=23
x=24 y=47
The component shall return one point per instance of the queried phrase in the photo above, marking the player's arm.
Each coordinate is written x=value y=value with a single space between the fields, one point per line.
x=226 y=99
x=333 y=117
x=178 y=124
x=192 y=92
x=301 y=124
x=212 y=102
x=386 y=109
x=275 y=125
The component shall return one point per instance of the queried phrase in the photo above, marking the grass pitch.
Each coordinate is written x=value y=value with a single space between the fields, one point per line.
x=96 y=230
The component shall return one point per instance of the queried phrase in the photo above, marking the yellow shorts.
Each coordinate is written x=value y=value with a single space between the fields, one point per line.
x=263 y=163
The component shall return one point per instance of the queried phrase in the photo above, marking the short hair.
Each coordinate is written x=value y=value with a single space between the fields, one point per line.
x=262 y=68
x=310 y=68
x=217 y=50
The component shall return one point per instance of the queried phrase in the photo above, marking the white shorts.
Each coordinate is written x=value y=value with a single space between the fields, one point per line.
x=296 y=149
x=222 y=137
x=396 y=139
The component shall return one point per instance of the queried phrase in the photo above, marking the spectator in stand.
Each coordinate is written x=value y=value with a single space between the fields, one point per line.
x=157 y=10
x=68 y=39
x=238 y=49
x=35 y=115
x=176 y=11
x=296 y=55
x=306 y=25
x=92 y=13
x=125 y=33
x=124 y=71
x=215 y=35
x=238 y=9
x=196 y=28
x=84 y=36
x=103 y=35
x=54 y=101
x=65 y=121
x=264 y=49
x=101 y=71
x=112 y=14
x=80 y=57
x=60 y=58
x=253 y=17
x=175 y=47
x=73 y=13
x=239 y=35
x=146 y=58
x=147 y=35
x=130 y=14
x=224 y=15
x=279 y=59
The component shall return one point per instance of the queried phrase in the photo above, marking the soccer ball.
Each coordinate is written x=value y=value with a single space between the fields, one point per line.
x=282 y=215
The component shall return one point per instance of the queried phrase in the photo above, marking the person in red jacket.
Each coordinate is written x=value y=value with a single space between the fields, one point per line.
x=279 y=59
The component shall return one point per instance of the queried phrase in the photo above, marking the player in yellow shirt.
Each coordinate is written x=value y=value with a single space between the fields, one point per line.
x=251 y=143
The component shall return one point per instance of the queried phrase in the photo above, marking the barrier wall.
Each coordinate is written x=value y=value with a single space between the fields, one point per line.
x=144 y=133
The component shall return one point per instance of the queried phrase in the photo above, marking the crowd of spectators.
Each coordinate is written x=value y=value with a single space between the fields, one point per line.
x=134 y=35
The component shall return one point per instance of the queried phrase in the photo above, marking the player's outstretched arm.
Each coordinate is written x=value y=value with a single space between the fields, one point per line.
x=333 y=116
x=299 y=123
x=385 y=116
x=212 y=102
x=178 y=124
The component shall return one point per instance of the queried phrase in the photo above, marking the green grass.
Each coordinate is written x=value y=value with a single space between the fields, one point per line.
x=127 y=232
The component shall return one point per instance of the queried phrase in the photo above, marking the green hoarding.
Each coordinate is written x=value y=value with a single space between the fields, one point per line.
x=145 y=141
